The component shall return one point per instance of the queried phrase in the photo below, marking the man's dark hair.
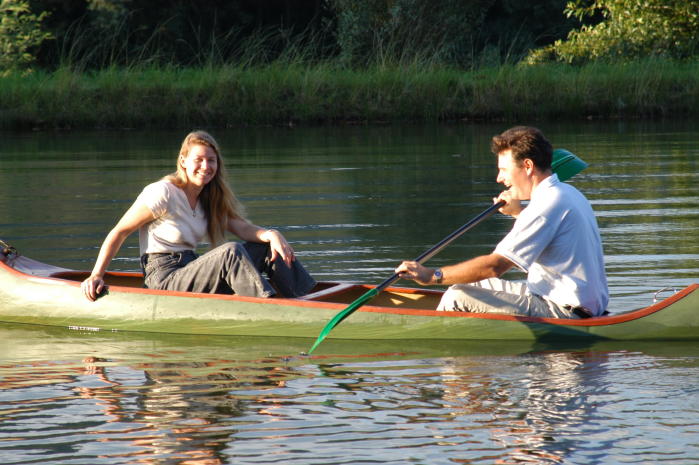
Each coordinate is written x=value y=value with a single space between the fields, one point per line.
x=525 y=142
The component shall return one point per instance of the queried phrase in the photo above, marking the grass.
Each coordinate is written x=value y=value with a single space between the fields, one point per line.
x=291 y=91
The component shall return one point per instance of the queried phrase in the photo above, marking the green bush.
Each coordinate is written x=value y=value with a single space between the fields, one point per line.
x=630 y=29
x=20 y=34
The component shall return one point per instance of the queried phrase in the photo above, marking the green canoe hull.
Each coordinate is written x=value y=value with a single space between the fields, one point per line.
x=35 y=293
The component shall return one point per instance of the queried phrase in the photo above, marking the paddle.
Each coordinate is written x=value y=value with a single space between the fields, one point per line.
x=564 y=164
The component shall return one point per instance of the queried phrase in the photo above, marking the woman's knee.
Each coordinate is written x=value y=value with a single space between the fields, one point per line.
x=230 y=248
x=226 y=255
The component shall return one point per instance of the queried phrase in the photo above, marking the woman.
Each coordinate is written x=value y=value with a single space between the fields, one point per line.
x=174 y=214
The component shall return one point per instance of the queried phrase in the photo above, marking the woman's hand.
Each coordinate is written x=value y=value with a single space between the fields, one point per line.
x=135 y=217
x=253 y=233
x=92 y=287
x=279 y=246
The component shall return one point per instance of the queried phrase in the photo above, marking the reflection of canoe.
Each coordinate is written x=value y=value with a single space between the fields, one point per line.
x=25 y=343
x=21 y=342
x=37 y=293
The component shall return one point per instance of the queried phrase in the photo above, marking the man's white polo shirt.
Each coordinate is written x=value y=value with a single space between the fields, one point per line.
x=556 y=240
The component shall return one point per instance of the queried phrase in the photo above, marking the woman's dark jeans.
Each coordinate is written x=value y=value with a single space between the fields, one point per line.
x=232 y=268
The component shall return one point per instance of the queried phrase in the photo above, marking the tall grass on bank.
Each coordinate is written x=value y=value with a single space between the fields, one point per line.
x=287 y=91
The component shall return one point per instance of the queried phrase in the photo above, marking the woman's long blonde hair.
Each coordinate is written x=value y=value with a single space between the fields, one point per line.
x=217 y=198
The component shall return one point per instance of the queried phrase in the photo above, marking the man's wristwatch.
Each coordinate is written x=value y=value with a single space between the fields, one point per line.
x=438 y=276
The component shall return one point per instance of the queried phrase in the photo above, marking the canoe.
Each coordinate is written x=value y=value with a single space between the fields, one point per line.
x=32 y=292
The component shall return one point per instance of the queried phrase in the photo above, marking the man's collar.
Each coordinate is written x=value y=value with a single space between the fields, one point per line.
x=547 y=182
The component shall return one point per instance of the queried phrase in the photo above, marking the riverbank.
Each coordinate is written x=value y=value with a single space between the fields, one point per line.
x=283 y=94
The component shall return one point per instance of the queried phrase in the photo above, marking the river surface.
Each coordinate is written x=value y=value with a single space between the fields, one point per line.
x=354 y=202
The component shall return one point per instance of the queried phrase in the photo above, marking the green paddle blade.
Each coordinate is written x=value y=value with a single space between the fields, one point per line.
x=344 y=314
x=566 y=164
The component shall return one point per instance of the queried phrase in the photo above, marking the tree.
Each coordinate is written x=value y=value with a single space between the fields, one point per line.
x=628 y=29
x=20 y=34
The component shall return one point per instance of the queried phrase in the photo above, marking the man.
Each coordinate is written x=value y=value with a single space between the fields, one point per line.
x=555 y=240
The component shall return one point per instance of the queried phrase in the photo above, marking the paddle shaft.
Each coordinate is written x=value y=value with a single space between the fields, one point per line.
x=364 y=298
x=446 y=241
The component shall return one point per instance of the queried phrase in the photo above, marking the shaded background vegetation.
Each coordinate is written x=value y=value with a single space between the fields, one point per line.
x=467 y=34
x=98 y=33
x=130 y=63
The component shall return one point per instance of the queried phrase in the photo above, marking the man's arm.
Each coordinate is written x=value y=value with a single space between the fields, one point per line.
x=470 y=271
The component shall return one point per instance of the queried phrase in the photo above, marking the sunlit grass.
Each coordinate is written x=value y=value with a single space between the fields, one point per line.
x=295 y=90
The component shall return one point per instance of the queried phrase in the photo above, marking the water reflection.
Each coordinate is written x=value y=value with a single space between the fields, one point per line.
x=113 y=398
x=555 y=407
x=540 y=416
x=176 y=413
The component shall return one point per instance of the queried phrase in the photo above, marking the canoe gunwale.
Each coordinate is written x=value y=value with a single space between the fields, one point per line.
x=336 y=288
x=605 y=320
x=38 y=272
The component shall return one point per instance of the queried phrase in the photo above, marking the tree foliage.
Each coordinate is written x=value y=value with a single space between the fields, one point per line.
x=95 y=34
x=629 y=29
x=20 y=34
x=182 y=32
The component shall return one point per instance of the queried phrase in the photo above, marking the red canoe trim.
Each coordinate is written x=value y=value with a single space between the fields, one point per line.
x=597 y=321
x=62 y=277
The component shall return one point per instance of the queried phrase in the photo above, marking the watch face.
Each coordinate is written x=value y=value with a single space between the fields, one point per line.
x=438 y=275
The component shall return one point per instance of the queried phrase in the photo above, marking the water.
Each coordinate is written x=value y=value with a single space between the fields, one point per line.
x=354 y=202
x=116 y=398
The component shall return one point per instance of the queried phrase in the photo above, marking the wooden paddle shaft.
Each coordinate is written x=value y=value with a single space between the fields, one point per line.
x=446 y=241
